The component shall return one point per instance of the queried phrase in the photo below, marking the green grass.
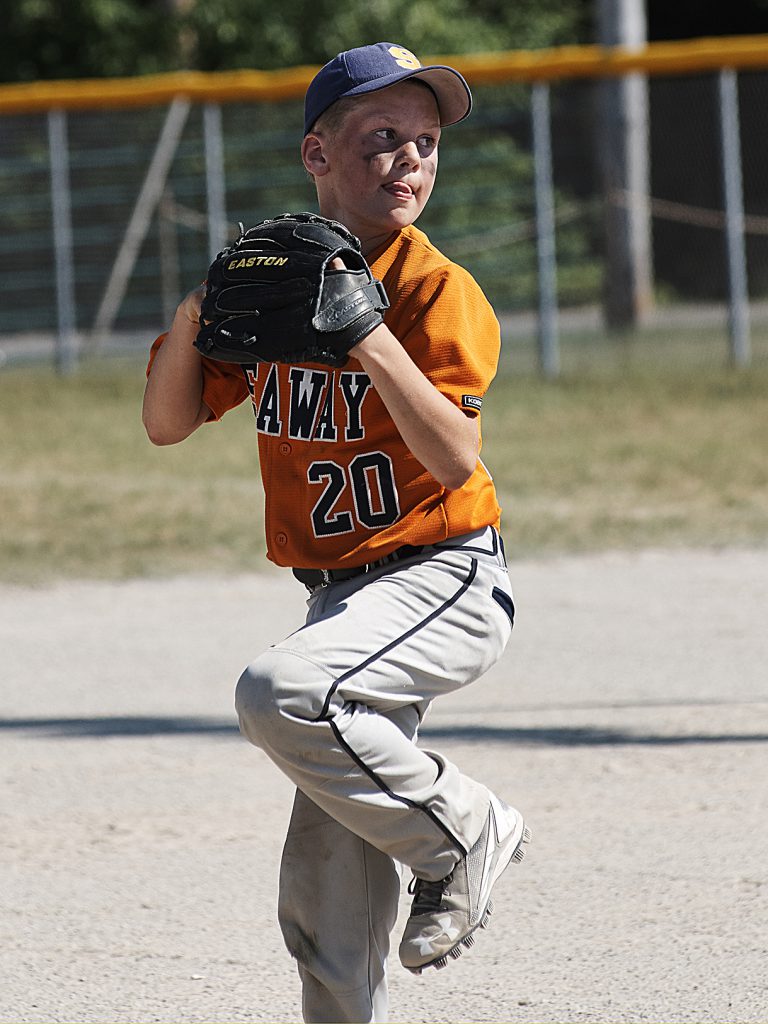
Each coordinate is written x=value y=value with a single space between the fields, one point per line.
x=619 y=459
x=84 y=493
x=636 y=461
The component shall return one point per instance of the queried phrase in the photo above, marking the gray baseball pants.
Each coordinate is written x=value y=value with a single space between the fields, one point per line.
x=337 y=706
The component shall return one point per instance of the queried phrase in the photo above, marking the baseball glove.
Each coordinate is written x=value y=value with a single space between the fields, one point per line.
x=273 y=297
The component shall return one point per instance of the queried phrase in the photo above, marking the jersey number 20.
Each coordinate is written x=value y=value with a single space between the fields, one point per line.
x=373 y=490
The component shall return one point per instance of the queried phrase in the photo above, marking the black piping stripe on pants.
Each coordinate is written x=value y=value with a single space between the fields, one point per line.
x=325 y=717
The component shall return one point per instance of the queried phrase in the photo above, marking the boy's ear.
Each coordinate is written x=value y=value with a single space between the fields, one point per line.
x=313 y=155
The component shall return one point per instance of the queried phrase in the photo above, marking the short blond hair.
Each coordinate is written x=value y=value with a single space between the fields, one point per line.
x=331 y=120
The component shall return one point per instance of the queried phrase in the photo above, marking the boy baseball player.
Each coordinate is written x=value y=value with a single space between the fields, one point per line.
x=378 y=501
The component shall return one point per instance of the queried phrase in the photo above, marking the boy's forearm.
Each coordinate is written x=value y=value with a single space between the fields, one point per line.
x=438 y=433
x=173 y=406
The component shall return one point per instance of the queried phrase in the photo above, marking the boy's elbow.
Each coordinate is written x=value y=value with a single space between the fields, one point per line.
x=457 y=476
x=165 y=426
x=162 y=434
x=464 y=461
x=460 y=469
x=160 y=439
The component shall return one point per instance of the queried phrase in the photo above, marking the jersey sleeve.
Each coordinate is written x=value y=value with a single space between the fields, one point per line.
x=454 y=336
x=224 y=385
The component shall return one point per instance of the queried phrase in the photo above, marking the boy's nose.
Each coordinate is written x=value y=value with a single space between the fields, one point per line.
x=409 y=155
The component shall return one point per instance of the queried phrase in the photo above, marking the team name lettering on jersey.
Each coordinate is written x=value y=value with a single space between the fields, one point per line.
x=313 y=398
x=268 y=419
x=306 y=388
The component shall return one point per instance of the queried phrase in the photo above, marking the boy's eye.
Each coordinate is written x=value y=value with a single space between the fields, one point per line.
x=427 y=142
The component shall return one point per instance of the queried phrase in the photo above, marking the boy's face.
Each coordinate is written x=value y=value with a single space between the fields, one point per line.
x=375 y=172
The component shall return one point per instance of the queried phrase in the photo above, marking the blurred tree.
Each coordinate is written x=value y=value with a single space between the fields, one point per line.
x=49 y=39
x=241 y=33
x=45 y=39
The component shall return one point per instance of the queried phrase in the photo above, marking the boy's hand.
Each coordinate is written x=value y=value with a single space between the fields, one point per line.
x=189 y=307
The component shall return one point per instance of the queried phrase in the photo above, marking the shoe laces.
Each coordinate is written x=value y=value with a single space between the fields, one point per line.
x=428 y=896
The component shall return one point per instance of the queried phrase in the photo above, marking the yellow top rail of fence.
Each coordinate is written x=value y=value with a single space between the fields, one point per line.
x=669 y=58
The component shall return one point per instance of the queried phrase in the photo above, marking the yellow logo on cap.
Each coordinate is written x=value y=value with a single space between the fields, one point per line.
x=405 y=58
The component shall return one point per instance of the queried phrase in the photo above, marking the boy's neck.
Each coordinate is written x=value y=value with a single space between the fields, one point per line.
x=370 y=245
x=369 y=241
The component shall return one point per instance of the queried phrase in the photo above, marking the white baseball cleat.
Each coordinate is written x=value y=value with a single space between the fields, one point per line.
x=445 y=914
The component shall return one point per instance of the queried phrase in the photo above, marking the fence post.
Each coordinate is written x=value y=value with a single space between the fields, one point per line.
x=63 y=245
x=623 y=152
x=146 y=203
x=549 y=350
x=730 y=148
x=215 y=182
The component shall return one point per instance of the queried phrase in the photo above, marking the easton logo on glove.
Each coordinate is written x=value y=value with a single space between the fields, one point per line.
x=273 y=296
x=257 y=261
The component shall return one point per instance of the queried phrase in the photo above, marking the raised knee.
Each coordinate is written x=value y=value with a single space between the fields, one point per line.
x=256 y=700
x=273 y=689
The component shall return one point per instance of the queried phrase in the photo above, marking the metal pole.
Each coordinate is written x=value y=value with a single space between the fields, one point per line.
x=149 y=197
x=63 y=245
x=214 y=178
x=549 y=352
x=730 y=147
x=623 y=149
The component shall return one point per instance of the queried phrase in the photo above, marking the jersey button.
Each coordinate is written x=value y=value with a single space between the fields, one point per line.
x=285 y=448
x=281 y=538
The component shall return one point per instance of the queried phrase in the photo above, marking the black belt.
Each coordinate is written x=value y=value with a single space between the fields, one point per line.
x=312 y=578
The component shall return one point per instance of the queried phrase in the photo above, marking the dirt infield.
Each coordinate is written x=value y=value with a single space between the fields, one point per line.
x=140 y=835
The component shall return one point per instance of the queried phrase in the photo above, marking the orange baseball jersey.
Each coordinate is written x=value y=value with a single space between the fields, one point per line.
x=341 y=488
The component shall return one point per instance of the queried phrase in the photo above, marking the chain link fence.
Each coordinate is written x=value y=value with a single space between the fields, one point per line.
x=110 y=215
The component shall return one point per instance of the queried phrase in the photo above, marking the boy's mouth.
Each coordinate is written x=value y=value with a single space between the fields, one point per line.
x=398 y=189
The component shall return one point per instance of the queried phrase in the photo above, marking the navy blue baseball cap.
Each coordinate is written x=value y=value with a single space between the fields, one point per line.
x=374 y=67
